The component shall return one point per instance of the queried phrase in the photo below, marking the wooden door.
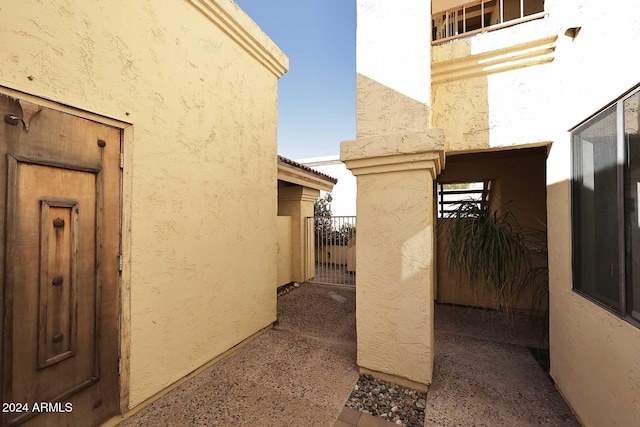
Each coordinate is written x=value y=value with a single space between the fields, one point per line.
x=60 y=204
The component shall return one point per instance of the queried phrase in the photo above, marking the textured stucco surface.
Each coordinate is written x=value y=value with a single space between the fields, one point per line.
x=386 y=37
x=395 y=158
x=593 y=353
x=480 y=109
x=393 y=144
x=518 y=185
x=591 y=350
x=284 y=223
x=380 y=109
x=297 y=202
x=298 y=374
x=592 y=359
x=202 y=159
x=390 y=96
x=394 y=290
x=558 y=83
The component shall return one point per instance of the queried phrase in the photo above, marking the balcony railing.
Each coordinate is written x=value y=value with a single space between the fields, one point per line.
x=482 y=15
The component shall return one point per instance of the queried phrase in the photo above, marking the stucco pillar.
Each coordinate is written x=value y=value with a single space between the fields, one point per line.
x=297 y=202
x=395 y=255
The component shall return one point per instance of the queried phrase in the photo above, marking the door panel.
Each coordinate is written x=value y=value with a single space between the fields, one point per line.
x=60 y=285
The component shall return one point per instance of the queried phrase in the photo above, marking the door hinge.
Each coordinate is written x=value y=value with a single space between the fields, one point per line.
x=121 y=160
x=120 y=262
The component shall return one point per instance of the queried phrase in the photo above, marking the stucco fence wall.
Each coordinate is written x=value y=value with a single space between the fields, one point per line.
x=331 y=254
x=284 y=227
x=337 y=255
x=202 y=156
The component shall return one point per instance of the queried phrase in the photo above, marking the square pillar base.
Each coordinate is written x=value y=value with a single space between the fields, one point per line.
x=395 y=259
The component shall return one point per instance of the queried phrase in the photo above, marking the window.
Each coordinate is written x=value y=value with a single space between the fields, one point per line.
x=456 y=18
x=606 y=207
x=450 y=196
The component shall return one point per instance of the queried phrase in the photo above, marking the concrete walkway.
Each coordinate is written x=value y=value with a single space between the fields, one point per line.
x=302 y=372
x=298 y=374
x=484 y=375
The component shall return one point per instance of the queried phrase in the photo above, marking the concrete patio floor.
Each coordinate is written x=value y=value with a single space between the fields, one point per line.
x=484 y=375
x=301 y=372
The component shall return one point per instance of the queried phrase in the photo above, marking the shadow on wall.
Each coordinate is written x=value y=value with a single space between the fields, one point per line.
x=491 y=98
x=394 y=325
x=392 y=269
x=382 y=110
x=518 y=185
x=588 y=344
x=460 y=103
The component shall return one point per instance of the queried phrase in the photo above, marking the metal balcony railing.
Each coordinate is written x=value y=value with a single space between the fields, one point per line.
x=483 y=15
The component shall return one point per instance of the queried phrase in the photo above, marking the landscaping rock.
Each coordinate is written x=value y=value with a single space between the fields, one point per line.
x=285 y=289
x=398 y=404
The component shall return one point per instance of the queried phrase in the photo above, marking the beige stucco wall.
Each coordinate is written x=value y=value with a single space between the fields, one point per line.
x=549 y=83
x=481 y=108
x=517 y=185
x=284 y=224
x=390 y=96
x=351 y=255
x=202 y=159
x=395 y=264
x=331 y=254
x=594 y=359
x=395 y=159
x=527 y=85
x=395 y=337
x=594 y=354
x=297 y=202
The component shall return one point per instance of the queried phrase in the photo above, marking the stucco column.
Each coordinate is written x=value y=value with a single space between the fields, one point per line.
x=395 y=251
x=297 y=202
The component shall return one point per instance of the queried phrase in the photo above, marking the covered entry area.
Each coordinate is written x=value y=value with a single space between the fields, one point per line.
x=475 y=362
x=515 y=190
x=487 y=339
x=401 y=262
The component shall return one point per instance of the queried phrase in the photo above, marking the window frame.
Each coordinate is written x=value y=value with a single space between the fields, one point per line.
x=486 y=8
x=483 y=203
x=622 y=164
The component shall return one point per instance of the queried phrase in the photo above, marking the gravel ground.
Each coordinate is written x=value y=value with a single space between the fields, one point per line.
x=285 y=289
x=401 y=405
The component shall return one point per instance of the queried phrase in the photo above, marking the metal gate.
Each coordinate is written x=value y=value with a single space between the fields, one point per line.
x=331 y=242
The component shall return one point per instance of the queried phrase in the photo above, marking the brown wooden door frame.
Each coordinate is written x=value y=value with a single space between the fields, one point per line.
x=123 y=300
